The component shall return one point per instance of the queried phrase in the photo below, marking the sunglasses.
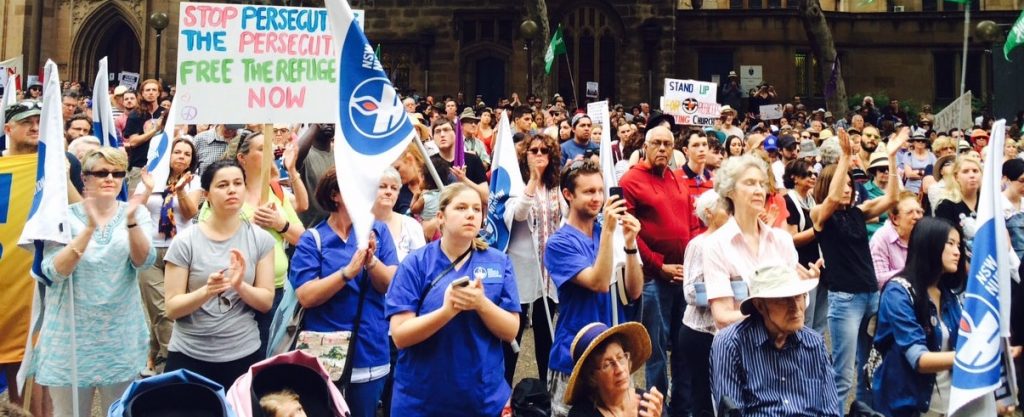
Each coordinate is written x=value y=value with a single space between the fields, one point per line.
x=873 y=136
x=105 y=174
x=24 y=106
x=538 y=151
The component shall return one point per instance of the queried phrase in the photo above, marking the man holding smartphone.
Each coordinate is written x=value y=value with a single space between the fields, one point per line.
x=579 y=259
x=660 y=199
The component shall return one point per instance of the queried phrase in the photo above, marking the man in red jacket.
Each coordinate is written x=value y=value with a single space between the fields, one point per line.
x=660 y=199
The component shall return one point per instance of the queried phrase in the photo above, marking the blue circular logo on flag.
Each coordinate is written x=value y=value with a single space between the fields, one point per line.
x=494 y=231
x=978 y=350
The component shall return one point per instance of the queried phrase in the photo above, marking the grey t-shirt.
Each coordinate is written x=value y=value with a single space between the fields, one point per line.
x=313 y=167
x=224 y=328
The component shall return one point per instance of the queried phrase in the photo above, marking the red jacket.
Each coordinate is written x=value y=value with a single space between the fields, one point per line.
x=662 y=204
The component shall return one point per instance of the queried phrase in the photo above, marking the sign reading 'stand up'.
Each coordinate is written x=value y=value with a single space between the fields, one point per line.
x=255 y=64
x=693 y=103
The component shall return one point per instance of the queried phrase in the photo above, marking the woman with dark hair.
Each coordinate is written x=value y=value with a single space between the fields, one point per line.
x=734 y=146
x=342 y=286
x=918 y=324
x=487 y=123
x=172 y=206
x=564 y=131
x=800 y=179
x=535 y=216
x=841 y=230
x=218 y=275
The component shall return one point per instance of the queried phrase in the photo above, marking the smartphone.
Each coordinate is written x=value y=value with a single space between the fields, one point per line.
x=615 y=191
x=461 y=282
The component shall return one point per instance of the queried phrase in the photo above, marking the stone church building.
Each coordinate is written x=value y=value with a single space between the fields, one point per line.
x=901 y=48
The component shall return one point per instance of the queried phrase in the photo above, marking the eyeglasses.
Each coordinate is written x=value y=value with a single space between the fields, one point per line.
x=622 y=361
x=538 y=151
x=105 y=174
x=872 y=136
x=280 y=130
x=660 y=144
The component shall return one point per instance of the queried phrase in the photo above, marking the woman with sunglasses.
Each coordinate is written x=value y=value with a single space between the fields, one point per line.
x=94 y=314
x=171 y=208
x=218 y=275
x=840 y=226
x=535 y=216
x=342 y=286
x=451 y=305
x=934 y=186
x=916 y=163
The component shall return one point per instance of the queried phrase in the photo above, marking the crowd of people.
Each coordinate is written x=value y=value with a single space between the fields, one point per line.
x=746 y=244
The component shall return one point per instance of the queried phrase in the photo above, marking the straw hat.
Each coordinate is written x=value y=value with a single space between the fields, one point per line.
x=775 y=282
x=591 y=335
x=879 y=159
x=727 y=109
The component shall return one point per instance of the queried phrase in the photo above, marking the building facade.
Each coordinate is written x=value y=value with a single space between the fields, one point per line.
x=909 y=49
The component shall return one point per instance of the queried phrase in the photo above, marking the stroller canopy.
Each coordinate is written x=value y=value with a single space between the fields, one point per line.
x=295 y=371
x=175 y=394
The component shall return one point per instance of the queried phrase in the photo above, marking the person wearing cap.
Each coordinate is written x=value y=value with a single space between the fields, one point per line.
x=727 y=122
x=769 y=363
x=979 y=139
x=916 y=163
x=601 y=384
x=118 y=101
x=764 y=95
x=471 y=136
x=584 y=267
x=211 y=144
x=660 y=199
x=841 y=229
x=878 y=172
x=731 y=92
x=919 y=323
x=575 y=148
x=35 y=92
x=789 y=150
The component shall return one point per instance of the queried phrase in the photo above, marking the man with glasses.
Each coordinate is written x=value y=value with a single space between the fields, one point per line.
x=69 y=105
x=470 y=132
x=472 y=173
x=661 y=200
x=579 y=259
x=18 y=164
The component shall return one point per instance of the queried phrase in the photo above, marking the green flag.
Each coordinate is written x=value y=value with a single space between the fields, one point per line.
x=556 y=47
x=1015 y=38
x=377 y=52
x=963 y=2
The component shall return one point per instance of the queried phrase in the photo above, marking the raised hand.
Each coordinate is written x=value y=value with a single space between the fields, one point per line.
x=614 y=208
x=844 y=142
x=184 y=180
x=897 y=142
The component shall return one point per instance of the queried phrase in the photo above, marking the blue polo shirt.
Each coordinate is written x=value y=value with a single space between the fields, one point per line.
x=577 y=306
x=460 y=370
x=339 y=312
x=571 y=149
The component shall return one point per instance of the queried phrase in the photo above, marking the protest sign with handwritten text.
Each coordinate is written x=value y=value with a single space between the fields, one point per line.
x=255 y=64
x=692 y=102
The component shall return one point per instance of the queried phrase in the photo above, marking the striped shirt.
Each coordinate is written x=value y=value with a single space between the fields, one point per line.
x=762 y=380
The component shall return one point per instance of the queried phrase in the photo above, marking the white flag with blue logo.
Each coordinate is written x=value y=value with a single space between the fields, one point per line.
x=506 y=183
x=159 y=156
x=10 y=97
x=978 y=364
x=48 y=218
x=102 y=111
x=598 y=113
x=373 y=128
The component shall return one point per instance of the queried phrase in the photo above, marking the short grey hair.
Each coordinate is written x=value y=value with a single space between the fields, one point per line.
x=390 y=173
x=829 y=152
x=728 y=174
x=707 y=201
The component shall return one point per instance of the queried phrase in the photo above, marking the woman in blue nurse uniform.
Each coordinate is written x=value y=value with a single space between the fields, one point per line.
x=450 y=361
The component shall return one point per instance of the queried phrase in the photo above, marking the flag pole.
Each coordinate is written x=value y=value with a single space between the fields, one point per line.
x=268 y=160
x=568 y=66
x=963 y=62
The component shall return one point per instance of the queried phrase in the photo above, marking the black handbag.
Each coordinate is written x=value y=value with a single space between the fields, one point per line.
x=530 y=399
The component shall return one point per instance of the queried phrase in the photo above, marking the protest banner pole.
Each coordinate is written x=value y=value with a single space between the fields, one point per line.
x=268 y=160
x=568 y=66
x=430 y=165
x=963 y=61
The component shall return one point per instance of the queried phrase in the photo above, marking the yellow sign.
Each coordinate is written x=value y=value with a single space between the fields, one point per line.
x=17 y=186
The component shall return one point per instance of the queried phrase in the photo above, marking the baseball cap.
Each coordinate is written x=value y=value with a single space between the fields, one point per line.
x=120 y=90
x=771 y=143
x=23 y=110
x=786 y=141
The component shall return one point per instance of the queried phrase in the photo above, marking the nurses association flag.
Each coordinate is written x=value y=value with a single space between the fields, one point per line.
x=102 y=111
x=978 y=364
x=48 y=217
x=373 y=128
x=506 y=183
x=159 y=156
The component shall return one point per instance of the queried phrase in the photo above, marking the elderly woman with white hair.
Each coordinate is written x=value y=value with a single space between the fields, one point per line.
x=406 y=232
x=698 y=330
x=83 y=145
x=744 y=243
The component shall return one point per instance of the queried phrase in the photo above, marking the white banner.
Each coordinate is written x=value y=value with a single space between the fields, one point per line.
x=11 y=67
x=129 y=80
x=692 y=102
x=771 y=112
x=956 y=114
x=598 y=113
x=257 y=64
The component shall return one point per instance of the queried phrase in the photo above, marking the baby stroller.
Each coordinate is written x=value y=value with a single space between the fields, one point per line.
x=175 y=394
x=295 y=371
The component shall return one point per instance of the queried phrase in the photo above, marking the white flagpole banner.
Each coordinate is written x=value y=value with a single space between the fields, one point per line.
x=102 y=111
x=506 y=184
x=978 y=363
x=159 y=157
x=373 y=127
x=48 y=218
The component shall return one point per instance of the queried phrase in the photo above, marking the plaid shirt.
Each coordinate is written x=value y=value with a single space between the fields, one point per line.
x=210 y=147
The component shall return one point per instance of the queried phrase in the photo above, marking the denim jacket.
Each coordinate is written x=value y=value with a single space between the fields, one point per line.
x=899 y=389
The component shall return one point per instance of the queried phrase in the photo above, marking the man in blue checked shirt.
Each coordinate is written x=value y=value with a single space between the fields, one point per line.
x=769 y=364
